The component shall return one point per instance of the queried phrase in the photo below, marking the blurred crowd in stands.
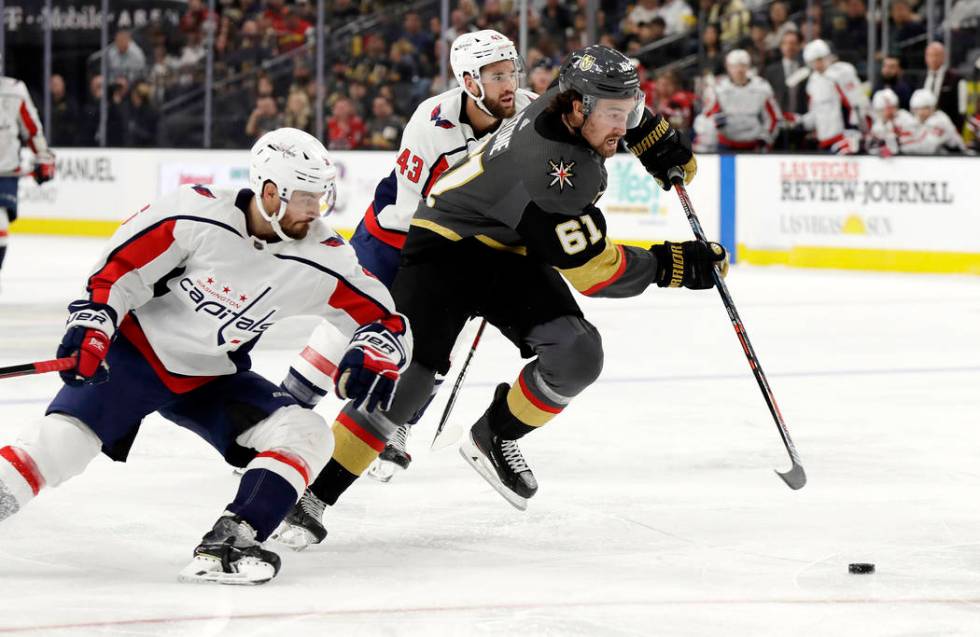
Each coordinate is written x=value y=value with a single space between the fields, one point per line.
x=382 y=59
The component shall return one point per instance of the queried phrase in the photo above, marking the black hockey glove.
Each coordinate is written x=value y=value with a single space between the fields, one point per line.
x=689 y=264
x=659 y=148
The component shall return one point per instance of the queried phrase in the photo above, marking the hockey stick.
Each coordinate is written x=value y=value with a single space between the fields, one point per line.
x=795 y=477
x=40 y=367
x=455 y=392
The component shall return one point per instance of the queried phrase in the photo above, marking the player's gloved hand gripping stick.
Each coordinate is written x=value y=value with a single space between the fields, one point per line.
x=369 y=371
x=82 y=352
x=796 y=476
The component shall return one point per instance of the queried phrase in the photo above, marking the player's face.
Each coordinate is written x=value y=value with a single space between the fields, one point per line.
x=738 y=72
x=500 y=86
x=922 y=114
x=820 y=65
x=303 y=208
x=606 y=124
x=888 y=113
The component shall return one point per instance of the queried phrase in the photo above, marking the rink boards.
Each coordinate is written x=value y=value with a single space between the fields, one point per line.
x=901 y=214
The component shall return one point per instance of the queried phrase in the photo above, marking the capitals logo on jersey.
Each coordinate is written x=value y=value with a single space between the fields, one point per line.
x=439 y=120
x=234 y=308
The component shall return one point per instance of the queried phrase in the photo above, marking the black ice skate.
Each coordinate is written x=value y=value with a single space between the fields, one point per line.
x=499 y=461
x=394 y=458
x=230 y=554
x=304 y=524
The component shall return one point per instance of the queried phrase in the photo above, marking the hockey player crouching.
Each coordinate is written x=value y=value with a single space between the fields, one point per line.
x=443 y=129
x=183 y=292
x=496 y=236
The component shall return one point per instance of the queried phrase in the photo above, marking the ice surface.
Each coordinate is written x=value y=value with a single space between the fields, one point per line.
x=658 y=513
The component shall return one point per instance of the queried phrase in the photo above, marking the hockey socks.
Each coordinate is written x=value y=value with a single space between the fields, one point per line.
x=356 y=445
x=263 y=500
x=530 y=403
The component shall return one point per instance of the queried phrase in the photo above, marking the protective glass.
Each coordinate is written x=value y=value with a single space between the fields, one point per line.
x=625 y=112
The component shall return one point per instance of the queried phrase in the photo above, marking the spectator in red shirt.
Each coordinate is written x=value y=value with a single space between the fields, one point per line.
x=345 y=128
x=275 y=15
x=293 y=32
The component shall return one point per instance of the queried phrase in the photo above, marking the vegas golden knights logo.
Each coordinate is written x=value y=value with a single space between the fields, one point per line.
x=586 y=62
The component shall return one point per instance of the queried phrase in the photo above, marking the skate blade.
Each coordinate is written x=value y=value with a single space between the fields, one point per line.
x=474 y=458
x=205 y=571
x=383 y=471
x=292 y=537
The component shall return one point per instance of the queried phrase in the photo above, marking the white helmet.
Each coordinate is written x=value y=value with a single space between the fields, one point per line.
x=294 y=161
x=472 y=51
x=814 y=51
x=922 y=98
x=884 y=97
x=738 y=56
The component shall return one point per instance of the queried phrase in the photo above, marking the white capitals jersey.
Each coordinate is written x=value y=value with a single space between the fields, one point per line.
x=893 y=134
x=935 y=135
x=837 y=102
x=749 y=112
x=199 y=291
x=434 y=139
x=19 y=124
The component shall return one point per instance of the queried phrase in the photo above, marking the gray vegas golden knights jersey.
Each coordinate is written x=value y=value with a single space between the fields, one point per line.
x=532 y=189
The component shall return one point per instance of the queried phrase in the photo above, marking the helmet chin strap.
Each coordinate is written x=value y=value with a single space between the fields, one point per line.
x=274 y=220
x=479 y=100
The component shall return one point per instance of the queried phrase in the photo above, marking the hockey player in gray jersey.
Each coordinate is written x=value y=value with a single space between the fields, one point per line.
x=496 y=236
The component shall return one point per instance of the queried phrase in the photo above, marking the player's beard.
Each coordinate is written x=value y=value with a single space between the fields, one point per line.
x=500 y=111
x=296 y=230
x=607 y=149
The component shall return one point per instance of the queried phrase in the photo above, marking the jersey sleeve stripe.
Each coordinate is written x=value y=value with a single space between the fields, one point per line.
x=773 y=118
x=359 y=306
x=131 y=255
x=439 y=166
x=599 y=272
x=394 y=238
x=437 y=170
x=29 y=123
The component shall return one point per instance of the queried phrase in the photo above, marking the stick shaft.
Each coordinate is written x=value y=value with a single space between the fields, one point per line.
x=459 y=380
x=743 y=336
x=39 y=367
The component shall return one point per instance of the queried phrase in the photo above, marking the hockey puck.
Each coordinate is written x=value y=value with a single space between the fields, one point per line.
x=861 y=568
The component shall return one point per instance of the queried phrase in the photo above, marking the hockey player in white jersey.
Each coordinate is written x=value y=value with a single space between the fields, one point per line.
x=893 y=127
x=183 y=292
x=838 y=112
x=936 y=134
x=742 y=108
x=19 y=126
x=441 y=131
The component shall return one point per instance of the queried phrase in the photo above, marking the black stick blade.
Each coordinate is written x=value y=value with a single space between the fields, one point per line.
x=795 y=478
